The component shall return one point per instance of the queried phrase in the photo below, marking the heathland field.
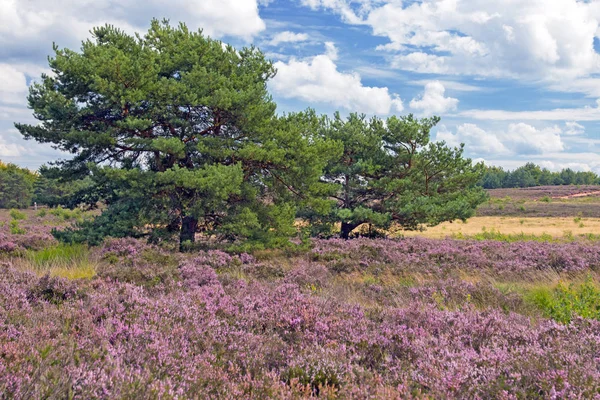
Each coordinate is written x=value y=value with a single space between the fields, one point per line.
x=541 y=213
x=490 y=313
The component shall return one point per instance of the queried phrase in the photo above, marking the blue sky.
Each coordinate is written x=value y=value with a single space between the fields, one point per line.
x=515 y=80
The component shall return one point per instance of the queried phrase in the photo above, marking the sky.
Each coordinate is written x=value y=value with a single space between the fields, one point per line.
x=516 y=81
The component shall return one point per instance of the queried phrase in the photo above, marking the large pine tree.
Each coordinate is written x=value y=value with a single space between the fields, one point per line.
x=178 y=134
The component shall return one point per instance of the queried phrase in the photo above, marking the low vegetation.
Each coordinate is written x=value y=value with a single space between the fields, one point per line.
x=411 y=317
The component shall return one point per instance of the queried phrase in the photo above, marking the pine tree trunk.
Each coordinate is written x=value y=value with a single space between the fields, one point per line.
x=347 y=228
x=188 y=231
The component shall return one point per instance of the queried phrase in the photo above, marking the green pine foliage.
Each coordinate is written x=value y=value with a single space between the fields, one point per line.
x=176 y=133
x=390 y=172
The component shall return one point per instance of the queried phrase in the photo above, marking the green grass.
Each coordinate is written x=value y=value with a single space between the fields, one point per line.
x=71 y=261
x=493 y=234
x=564 y=302
x=506 y=237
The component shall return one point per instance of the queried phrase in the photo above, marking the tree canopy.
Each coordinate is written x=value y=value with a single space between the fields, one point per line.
x=178 y=133
x=16 y=186
x=390 y=172
x=175 y=133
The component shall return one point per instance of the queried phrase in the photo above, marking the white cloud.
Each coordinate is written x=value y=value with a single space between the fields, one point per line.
x=318 y=80
x=541 y=39
x=343 y=7
x=27 y=28
x=522 y=138
x=433 y=100
x=14 y=149
x=331 y=51
x=452 y=85
x=586 y=113
x=288 y=37
x=559 y=166
x=517 y=139
x=421 y=62
x=13 y=85
x=573 y=128
x=476 y=140
x=8 y=149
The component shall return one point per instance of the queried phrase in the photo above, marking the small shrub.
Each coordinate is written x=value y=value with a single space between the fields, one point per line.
x=196 y=274
x=565 y=302
x=54 y=290
x=317 y=378
x=546 y=199
x=64 y=214
x=147 y=267
x=42 y=213
x=17 y=215
x=15 y=229
x=568 y=235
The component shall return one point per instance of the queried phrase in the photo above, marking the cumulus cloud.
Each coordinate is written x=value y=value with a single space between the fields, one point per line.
x=288 y=37
x=552 y=40
x=477 y=141
x=10 y=150
x=433 y=100
x=522 y=138
x=32 y=154
x=559 y=166
x=452 y=85
x=318 y=80
x=421 y=62
x=13 y=85
x=516 y=139
x=27 y=28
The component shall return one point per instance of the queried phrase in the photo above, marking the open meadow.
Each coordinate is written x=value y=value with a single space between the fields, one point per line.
x=539 y=213
x=365 y=318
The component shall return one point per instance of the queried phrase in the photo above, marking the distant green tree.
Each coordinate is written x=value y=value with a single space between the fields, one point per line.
x=493 y=178
x=522 y=177
x=52 y=191
x=568 y=177
x=546 y=177
x=16 y=186
x=177 y=134
x=391 y=172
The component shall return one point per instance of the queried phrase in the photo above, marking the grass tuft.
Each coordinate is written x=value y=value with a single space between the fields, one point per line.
x=72 y=261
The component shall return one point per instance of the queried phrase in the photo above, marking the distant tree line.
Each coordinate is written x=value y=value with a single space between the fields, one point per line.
x=21 y=188
x=530 y=175
x=16 y=186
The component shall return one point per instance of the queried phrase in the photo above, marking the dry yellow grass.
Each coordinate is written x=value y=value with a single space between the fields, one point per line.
x=556 y=227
